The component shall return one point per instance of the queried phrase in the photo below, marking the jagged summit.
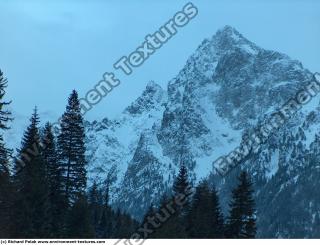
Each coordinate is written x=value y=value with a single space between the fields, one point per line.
x=151 y=97
x=228 y=38
x=226 y=45
x=228 y=32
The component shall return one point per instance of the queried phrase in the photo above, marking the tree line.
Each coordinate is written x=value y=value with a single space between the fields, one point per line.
x=199 y=215
x=44 y=193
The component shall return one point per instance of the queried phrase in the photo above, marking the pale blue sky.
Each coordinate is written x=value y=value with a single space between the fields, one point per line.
x=49 y=47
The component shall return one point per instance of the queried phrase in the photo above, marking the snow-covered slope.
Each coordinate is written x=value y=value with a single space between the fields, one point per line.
x=111 y=144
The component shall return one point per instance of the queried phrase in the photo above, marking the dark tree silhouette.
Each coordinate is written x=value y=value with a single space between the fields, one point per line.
x=205 y=218
x=241 y=222
x=58 y=202
x=31 y=198
x=71 y=150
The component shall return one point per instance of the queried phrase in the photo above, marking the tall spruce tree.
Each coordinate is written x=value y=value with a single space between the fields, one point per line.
x=241 y=222
x=182 y=186
x=71 y=149
x=6 y=188
x=216 y=214
x=6 y=193
x=105 y=229
x=205 y=217
x=31 y=198
x=176 y=224
x=58 y=205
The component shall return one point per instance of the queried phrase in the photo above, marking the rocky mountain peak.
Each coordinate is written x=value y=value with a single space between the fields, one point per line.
x=152 y=97
x=229 y=39
x=228 y=32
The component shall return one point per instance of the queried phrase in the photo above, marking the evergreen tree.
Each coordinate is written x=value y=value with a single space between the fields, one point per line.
x=118 y=231
x=164 y=217
x=242 y=220
x=175 y=225
x=79 y=223
x=149 y=215
x=71 y=149
x=197 y=216
x=31 y=198
x=182 y=187
x=205 y=218
x=95 y=206
x=216 y=214
x=124 y=226
x=6 y=193
x=58 y=205
x=6 y=188
x=105 y=229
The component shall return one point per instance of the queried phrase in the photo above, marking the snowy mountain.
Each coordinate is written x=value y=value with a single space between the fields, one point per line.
x=227 y=88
